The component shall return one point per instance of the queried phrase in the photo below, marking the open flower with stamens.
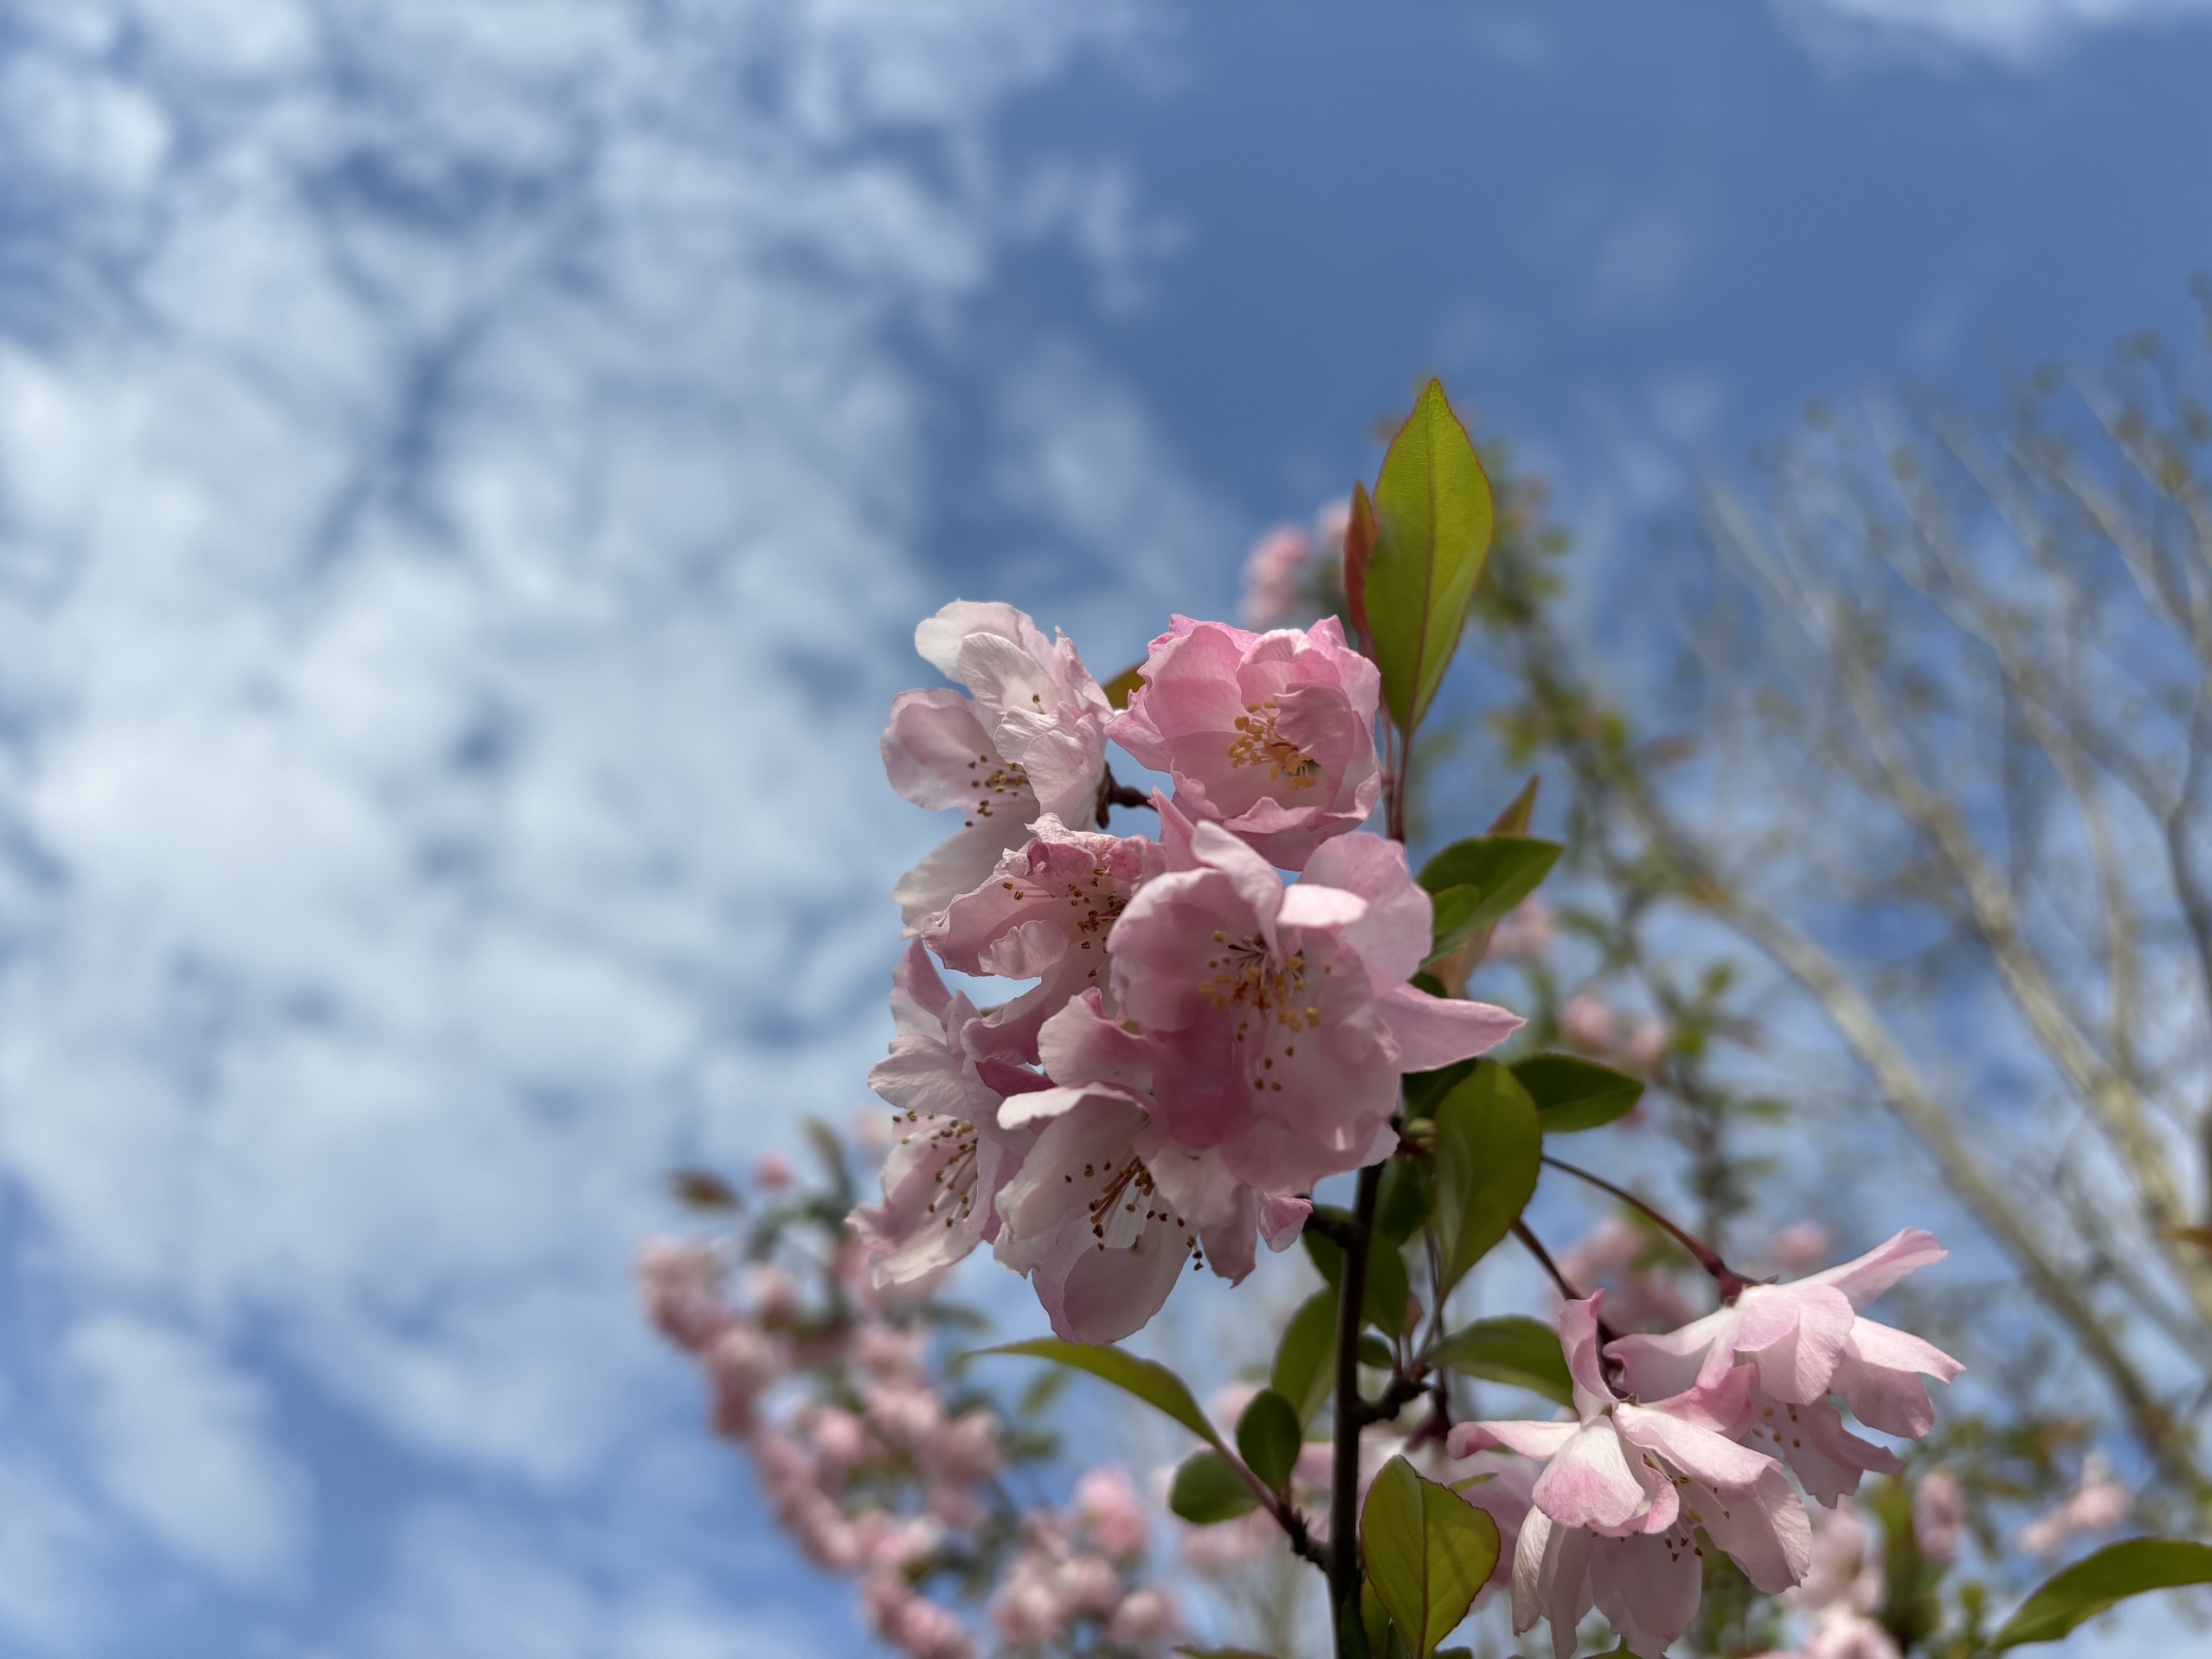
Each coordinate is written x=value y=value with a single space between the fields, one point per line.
x=1626 y=1491
x=1270 y=734
x=1028 y=738
x=1044 y=914
x=1806 y=1339
x=1276 y=1022
x=951 y=1155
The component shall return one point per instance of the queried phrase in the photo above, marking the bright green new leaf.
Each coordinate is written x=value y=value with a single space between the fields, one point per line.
x=1575 y=1094
x=1475 y=884
x=1489 y=1151
x=1147 y=1380
x=1520 y=1352
x=1427 y=1552
x=1123 y=687
x=1208 y=1487
x=1304 y=1372
x=1269 y=1435
x=1433 y=524
x=2096 y=1582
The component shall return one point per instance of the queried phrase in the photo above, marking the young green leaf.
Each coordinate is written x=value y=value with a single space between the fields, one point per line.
x=1512 y=1350
x=1208 y=1487
x=1425 y=1089
x=1515 y=820
x=1427 y=1552
x=1433 y=524
x=1303 y=1375
x=1123 y=687
x=2097 y=1582
x=1500 y=869
x=1573 y=1094
x=1489 y=1151
x=1147 y=1380
x=1359 y=552
x=1268 y=1438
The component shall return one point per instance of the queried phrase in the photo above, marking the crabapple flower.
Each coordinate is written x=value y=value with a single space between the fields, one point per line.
x=952 y=1156
x=1029 y=738
x=1805 y=1340
x=1270 y=1024
x=1044 y=914
x=1626 y=1489
x=1939 y=1515
x=1275 y=577
x=1106 y=1506
x=1270 y=734
x=2097 y=1504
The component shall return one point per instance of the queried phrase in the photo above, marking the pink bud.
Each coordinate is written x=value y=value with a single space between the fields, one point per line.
x=681 y=1285
x=1106 y=1504
x=841 y=1443
x=773 y=1173
x=1646 y=1046
x=1144 y=1616
x=1939 y=1514
x=1587 y=1023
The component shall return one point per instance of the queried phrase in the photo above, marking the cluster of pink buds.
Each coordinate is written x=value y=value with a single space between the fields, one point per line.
x=1204 y=1040
x=876 y=1472
x=1696 y=1433
x=1588 y=1023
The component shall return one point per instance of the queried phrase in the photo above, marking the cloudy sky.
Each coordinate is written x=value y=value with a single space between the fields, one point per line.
x=467 y=476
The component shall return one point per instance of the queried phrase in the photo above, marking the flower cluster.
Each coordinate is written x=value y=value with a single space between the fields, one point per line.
x=1692 y=1432
x=1205 y=1039
x=878 y=1469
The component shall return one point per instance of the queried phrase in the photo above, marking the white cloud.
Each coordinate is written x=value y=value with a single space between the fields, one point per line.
x=2012 y=31
x=459 y=479
x=179 y=1446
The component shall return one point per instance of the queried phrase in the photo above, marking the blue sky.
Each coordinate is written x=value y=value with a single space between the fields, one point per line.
x=467 y=478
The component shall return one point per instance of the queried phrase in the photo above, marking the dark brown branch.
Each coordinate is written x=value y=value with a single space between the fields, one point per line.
x=1344 y=1475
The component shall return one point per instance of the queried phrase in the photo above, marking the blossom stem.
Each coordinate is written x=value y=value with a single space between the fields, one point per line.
x=1344 y=1476
x=1732 y=1283
x=1567 y=1292
x=1112 y=793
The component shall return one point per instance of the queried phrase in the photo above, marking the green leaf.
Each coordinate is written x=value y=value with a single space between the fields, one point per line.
x=1303 y=1375
x=1425 y=1089
x=1427 y=1552
x=1433 y=524
x=2096 y=1582
x=1489 y=1151
x=1147 y=1380
x=1384 y=1305
x=1208 y=1487
x=1408 y=1193
x=1513 y=1349
x=1572 y=1093
x=1515 y=820
x=1269 y=1435
x=1123 y=687
x=1373 y=1351
x=1475 y=884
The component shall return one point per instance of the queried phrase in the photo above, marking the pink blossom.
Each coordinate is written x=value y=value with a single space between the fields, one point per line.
x=681 y=1285
x=1084 y=1220
x=965 y=1450
x=1232 y=1547
x=1843 y=1634
x=1805 y=1339
x=923 y=1630
x=952 y=1158
x=2097 y=1504
x=1275 y=577
x=841 y=1443
x=1587 y=1023
x=741 y=1364
x=1025 y=1612
x=1624 y=1491
x=1841 y=1574
x=773 y=1293
x=1646 y=1046
x=1613 y=1255
x=1044 y=914
x=907 y=1415
x=1798 y=1247
x=772 y=1171
x=1107 y=1505
x=1144 y=1618
x=1030 y=740
x=1526 y=934
x=889 y=1354
x=1939 y=1515
x=1270 y=735
x=1275 y=1023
